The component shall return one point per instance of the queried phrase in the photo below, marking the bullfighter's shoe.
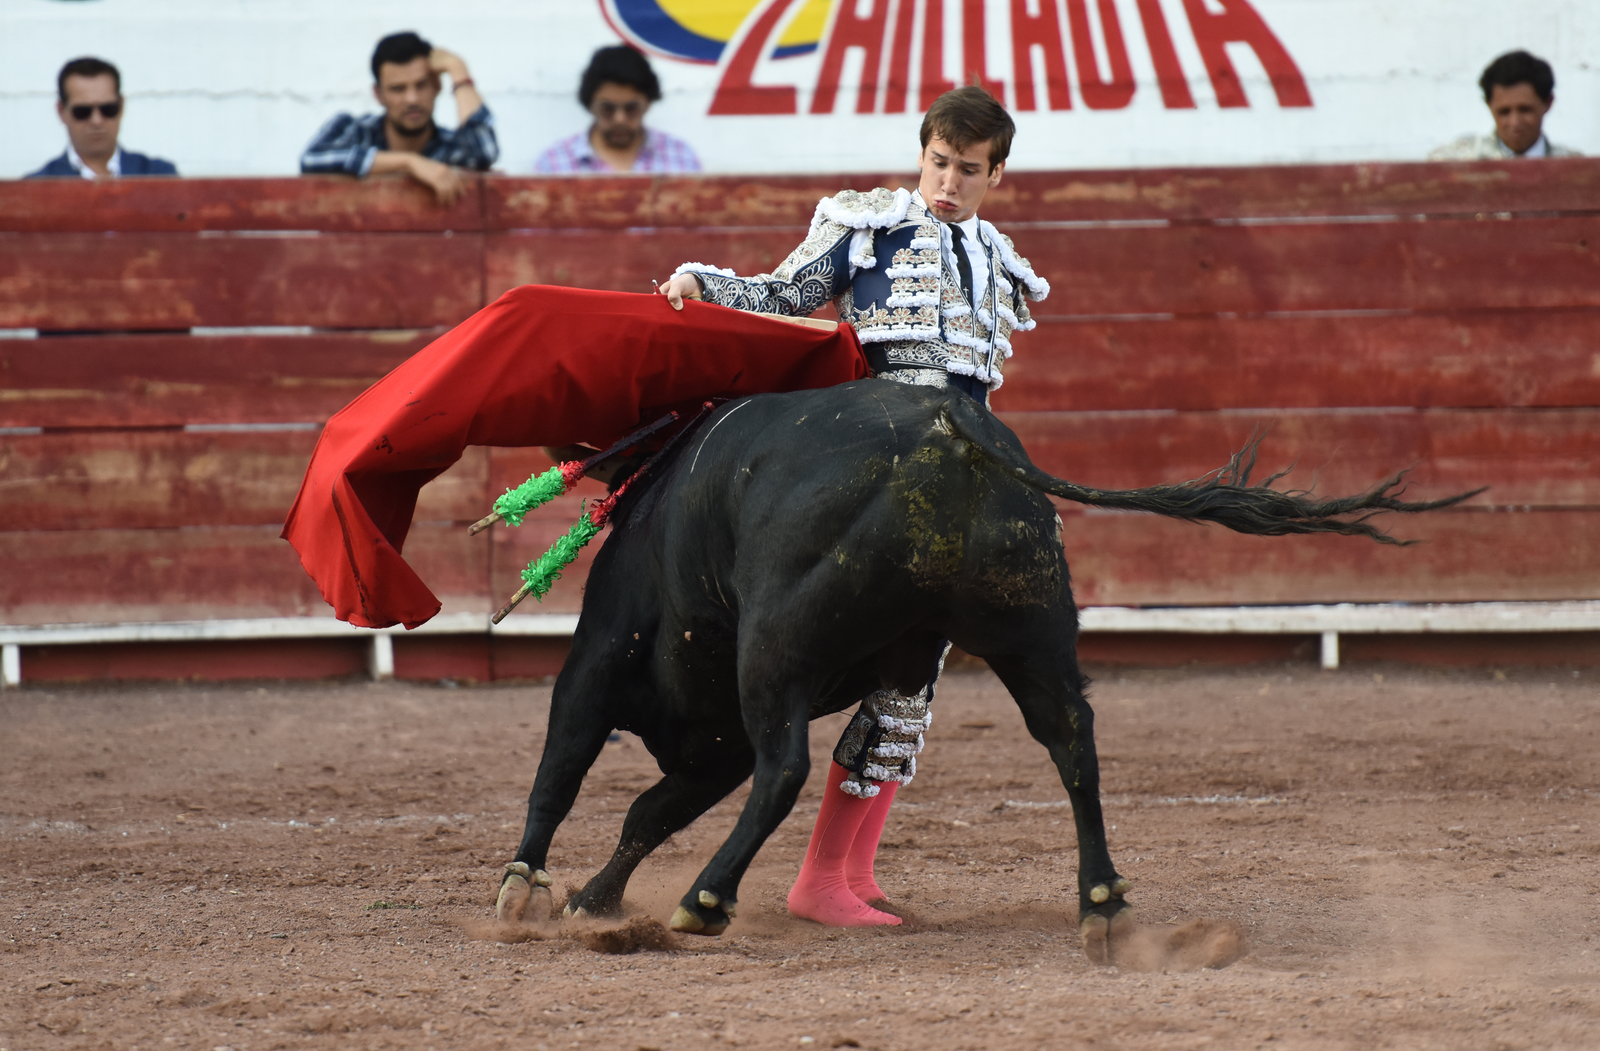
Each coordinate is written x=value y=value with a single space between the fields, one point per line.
x=822 y=891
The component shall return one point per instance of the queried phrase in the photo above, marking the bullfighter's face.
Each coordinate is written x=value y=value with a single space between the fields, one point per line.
x=954 y=181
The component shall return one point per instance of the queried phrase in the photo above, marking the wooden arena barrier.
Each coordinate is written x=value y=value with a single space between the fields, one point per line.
x=176 y=345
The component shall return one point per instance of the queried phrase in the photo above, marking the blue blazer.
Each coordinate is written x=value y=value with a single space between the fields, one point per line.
x=132 y=164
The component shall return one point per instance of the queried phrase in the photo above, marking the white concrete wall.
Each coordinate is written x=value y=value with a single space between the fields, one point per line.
x=237 y=87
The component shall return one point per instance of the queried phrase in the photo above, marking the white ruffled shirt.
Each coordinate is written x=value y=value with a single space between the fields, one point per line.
x=977 y=256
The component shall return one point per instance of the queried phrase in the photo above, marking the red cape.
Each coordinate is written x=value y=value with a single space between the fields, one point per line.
x=539 y=366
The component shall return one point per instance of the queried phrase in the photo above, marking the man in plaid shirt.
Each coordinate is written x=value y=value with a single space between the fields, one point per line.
x=617 y=90
x=404 y=138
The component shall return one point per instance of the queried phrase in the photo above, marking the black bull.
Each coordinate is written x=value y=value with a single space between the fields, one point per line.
x=803 y=550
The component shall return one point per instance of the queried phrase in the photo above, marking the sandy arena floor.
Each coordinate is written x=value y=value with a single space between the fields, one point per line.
x=1411 y=858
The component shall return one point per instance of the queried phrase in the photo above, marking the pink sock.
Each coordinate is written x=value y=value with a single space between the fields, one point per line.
x=863 y=851
x=821 y=892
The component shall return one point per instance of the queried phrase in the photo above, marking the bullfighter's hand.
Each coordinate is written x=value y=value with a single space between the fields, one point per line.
x=684 y=286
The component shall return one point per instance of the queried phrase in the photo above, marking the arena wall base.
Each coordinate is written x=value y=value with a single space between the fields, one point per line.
x=467 y=645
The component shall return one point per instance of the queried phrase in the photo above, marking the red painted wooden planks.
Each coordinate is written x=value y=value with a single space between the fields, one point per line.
x=1546 y=457
x=1180 y=195
x=204 y=661
x=164 y=479
x=627 y=261
x=134 y=575
x=683 y=202
x=154 y=281
x=330 y=203
x=499 y=203
x=1437 y=265
x=149 y=479
x=1203 y=194
x=116 y=575
x=1132 y=559
x=161 y=380
x=1522 y=358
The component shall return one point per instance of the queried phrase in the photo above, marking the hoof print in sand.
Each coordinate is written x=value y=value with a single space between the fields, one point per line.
x=637 y=935
x=1196 y=945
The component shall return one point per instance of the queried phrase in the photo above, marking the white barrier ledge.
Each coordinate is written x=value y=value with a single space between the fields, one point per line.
x=551 y=624
x=1386 y=618
x=1328 y=622
x=380 y=661
x=1349 y=618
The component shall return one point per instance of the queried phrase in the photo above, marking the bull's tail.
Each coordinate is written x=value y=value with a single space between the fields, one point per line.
x=1224 y=496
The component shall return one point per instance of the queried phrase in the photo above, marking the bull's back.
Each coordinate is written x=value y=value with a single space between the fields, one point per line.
x=864 y=480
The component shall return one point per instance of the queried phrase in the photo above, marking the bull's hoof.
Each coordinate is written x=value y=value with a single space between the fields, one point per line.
x=524 y=895
x=1103 y=922
x=686 y=922
x=1102 y=934
x=706 y=913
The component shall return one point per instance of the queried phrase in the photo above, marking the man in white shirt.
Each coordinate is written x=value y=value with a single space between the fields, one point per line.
x=1519 y=90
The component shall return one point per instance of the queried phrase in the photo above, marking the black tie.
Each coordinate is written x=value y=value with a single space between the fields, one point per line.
x=963 y=264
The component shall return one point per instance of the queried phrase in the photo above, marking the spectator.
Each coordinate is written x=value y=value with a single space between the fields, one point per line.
x=617 y=90
x=404 y=138
x=1520 y=90
x=89 y=102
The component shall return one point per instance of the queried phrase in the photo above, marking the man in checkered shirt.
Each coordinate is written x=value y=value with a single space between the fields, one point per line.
x=617 y=90
x=404 y=138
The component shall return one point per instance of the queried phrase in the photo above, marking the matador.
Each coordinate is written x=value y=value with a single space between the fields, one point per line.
x=934 y=293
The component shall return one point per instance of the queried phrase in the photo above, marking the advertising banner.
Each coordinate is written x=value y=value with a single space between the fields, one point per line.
x=240 y=86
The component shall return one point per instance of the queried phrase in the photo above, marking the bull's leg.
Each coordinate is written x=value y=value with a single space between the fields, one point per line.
x=1048 y=687
x=580 y=720
x=779 y=732
x=663 y=809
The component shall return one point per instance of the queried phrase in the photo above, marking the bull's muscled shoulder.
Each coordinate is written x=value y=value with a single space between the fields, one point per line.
x=876 y=209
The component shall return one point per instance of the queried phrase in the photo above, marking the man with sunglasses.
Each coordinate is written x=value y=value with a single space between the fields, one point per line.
x=89 y=102
x=617 y=90
x=406 y=73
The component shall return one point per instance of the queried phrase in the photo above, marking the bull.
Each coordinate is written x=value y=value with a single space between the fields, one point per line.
x=800 y=551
